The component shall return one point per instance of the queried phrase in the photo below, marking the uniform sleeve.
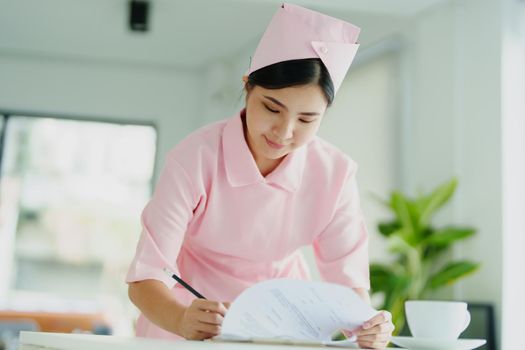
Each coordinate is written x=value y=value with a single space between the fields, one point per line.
x=164 y=222
x=341 y=250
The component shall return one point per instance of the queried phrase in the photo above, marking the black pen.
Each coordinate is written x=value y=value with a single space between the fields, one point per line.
x=184 y=284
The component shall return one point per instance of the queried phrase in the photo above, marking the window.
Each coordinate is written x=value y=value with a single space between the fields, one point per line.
x=72 y=192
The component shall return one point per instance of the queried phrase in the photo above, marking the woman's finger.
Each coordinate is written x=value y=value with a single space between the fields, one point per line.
x=384 y=337
x=381 y=328
x=381 y=317
x=197 y=335
x=209 y=328
x=372 y=345
x=214 y=306
x=203 y=335
x=210 y=318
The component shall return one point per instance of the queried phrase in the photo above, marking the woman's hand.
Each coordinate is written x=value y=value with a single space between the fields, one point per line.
x=374 y=333
x=202 y=319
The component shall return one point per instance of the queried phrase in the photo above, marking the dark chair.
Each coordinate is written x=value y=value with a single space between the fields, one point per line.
x=482 y=325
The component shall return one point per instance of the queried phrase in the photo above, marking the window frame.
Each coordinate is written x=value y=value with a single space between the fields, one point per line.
x=7 y=114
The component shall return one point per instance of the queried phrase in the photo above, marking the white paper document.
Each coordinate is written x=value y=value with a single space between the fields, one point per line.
x=295 y=312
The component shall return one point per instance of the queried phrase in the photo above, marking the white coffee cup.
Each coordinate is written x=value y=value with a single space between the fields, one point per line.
x=437 y=319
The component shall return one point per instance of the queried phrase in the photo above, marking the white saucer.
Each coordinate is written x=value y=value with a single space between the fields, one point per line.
x=437 y=344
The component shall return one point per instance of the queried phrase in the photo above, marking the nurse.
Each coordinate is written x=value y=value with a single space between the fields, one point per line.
x=237 y=199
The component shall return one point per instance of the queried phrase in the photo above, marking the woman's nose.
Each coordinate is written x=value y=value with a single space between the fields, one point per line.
x=284 y=130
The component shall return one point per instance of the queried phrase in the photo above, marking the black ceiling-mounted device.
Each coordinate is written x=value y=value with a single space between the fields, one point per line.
x=138 y=15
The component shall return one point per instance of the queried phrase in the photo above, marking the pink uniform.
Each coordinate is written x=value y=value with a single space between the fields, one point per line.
x=222 y=227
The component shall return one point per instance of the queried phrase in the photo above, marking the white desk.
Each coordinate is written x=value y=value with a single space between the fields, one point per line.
x=62 y=341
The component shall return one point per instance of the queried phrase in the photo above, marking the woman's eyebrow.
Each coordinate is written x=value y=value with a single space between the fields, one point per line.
x=276 y=101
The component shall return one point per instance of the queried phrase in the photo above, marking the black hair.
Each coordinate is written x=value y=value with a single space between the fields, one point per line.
x=292 y=73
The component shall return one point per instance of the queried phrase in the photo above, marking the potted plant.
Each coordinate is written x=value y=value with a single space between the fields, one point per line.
x=419 y=265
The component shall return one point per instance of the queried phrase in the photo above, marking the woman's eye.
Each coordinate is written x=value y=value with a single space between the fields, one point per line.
x=271 y=110
x=306 y=121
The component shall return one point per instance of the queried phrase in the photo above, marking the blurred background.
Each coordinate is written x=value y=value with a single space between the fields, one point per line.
x=94 y=93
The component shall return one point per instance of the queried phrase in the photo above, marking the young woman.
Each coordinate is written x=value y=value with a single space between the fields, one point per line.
x=237 y=199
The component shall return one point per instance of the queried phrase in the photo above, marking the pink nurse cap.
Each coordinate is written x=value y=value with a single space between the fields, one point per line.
x=296 y=33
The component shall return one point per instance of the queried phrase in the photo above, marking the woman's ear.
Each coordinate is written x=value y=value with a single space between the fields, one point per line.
x=245 y=81
x=247 y=86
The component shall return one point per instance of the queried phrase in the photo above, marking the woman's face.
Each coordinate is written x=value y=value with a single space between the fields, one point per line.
x=279 y=121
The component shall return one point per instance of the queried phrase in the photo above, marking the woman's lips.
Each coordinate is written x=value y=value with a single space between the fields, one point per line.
x=273 y=144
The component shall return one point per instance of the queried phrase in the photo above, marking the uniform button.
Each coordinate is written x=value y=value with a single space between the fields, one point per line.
x=324 y=49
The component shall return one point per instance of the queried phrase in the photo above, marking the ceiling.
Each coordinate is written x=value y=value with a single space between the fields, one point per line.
x=183 y=34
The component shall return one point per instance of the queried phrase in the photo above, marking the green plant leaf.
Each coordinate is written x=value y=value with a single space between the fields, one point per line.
x=430 y=253
x=407 y=216
x=429 y=204
x=398 y=242
x=418 y=231
x=399 y=204
x=387 y=228
x=398 y=315
x=449 y=235
x=381 y=277
x=451 y=273
x=398 y=292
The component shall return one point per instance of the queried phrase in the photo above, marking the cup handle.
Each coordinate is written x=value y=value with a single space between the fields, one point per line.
x=467 y=320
